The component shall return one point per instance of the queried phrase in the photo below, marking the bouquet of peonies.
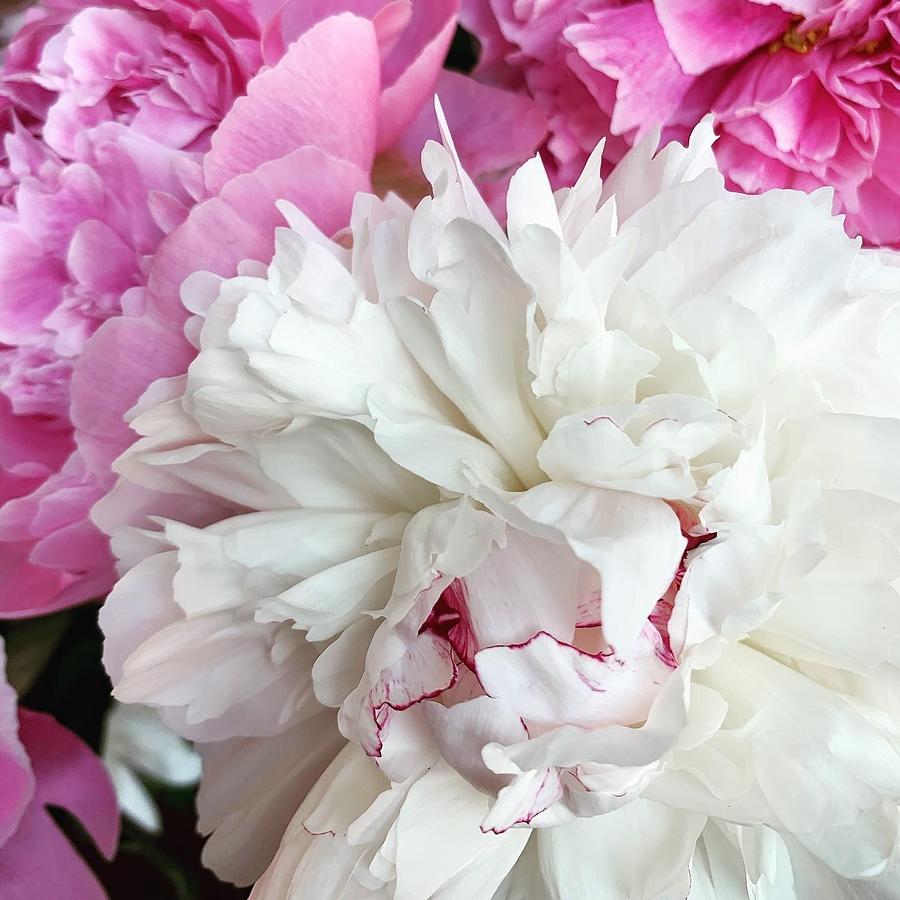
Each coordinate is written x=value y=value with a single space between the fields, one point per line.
x=468 y=433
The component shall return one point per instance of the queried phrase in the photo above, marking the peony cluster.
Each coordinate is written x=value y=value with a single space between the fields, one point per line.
x=134 y=130
x=131 y=133
x=804 y=93
x=564 y=552
x=498 y=490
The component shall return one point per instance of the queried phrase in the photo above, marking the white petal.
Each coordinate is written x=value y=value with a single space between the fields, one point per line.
x=550 y=683
x=443 y=811
x=252 y=787
x=647 y=449
x=135 y=801
x=462 y=730
x=343 y=468
x=527 y=586
x=634 y=542
x=325 y=602
x=135 y=736
x=529 y=200
x=641 y=851
x=845 y=452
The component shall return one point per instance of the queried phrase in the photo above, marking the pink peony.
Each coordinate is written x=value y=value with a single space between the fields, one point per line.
x=133 y=158
x=41 y=764
x=805 y=93
x=98 y=106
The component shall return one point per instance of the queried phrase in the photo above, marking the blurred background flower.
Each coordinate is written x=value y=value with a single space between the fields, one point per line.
x=137 y=746
x=53 y=663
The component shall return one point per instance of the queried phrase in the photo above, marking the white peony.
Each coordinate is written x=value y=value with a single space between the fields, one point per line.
x=588 y=529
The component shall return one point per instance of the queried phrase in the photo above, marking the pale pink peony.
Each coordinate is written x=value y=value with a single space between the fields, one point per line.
x=128 y=165
x=805 y=92
x=41 y=764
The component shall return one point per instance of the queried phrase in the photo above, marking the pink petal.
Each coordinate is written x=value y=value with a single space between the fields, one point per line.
x=75 y=547
x=715 y=32
x=336 y=62
x=127 y=354
x=30 y=444
x=117 y=365
x=100 y=260
x=479 y=18
x=38 y=861
x=886 y=165
x=629 y=45
x=244 y=218
x=291 y=18
x=49 y=212
x=37 y=591
x=410 y=71
x=761 y=81
x=31 y=282
x=749 y=170
x=879 y=216
x=69 y=775
x=390 y=22
x=495 y=130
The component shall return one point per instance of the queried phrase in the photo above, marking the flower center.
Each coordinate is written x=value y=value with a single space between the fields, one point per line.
x=449 y=618
x=662 y=612
x=799 y=41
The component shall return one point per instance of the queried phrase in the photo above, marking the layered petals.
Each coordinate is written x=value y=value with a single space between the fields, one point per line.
x=804 y=95
x=142 y=142
x=576 y=527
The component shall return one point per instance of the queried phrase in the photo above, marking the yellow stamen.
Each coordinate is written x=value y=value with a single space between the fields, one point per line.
x=799 y=41
x=870 y=47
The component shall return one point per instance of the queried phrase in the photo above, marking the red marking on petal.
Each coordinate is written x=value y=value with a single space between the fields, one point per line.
x=424 y=673
x=449 y=619
x=662 y=612
x=542 y=802
x=602 y=419
x=588 y=611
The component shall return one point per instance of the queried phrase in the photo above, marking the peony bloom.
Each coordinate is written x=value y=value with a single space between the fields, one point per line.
x=42 y=764
x=805 y=93
x=97 y=105
x=145 y=138
x=581 y=530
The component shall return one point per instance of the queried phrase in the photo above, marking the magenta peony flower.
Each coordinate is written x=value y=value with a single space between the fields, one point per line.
x=805 y=92
x=132 y=157
x=41 y=764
